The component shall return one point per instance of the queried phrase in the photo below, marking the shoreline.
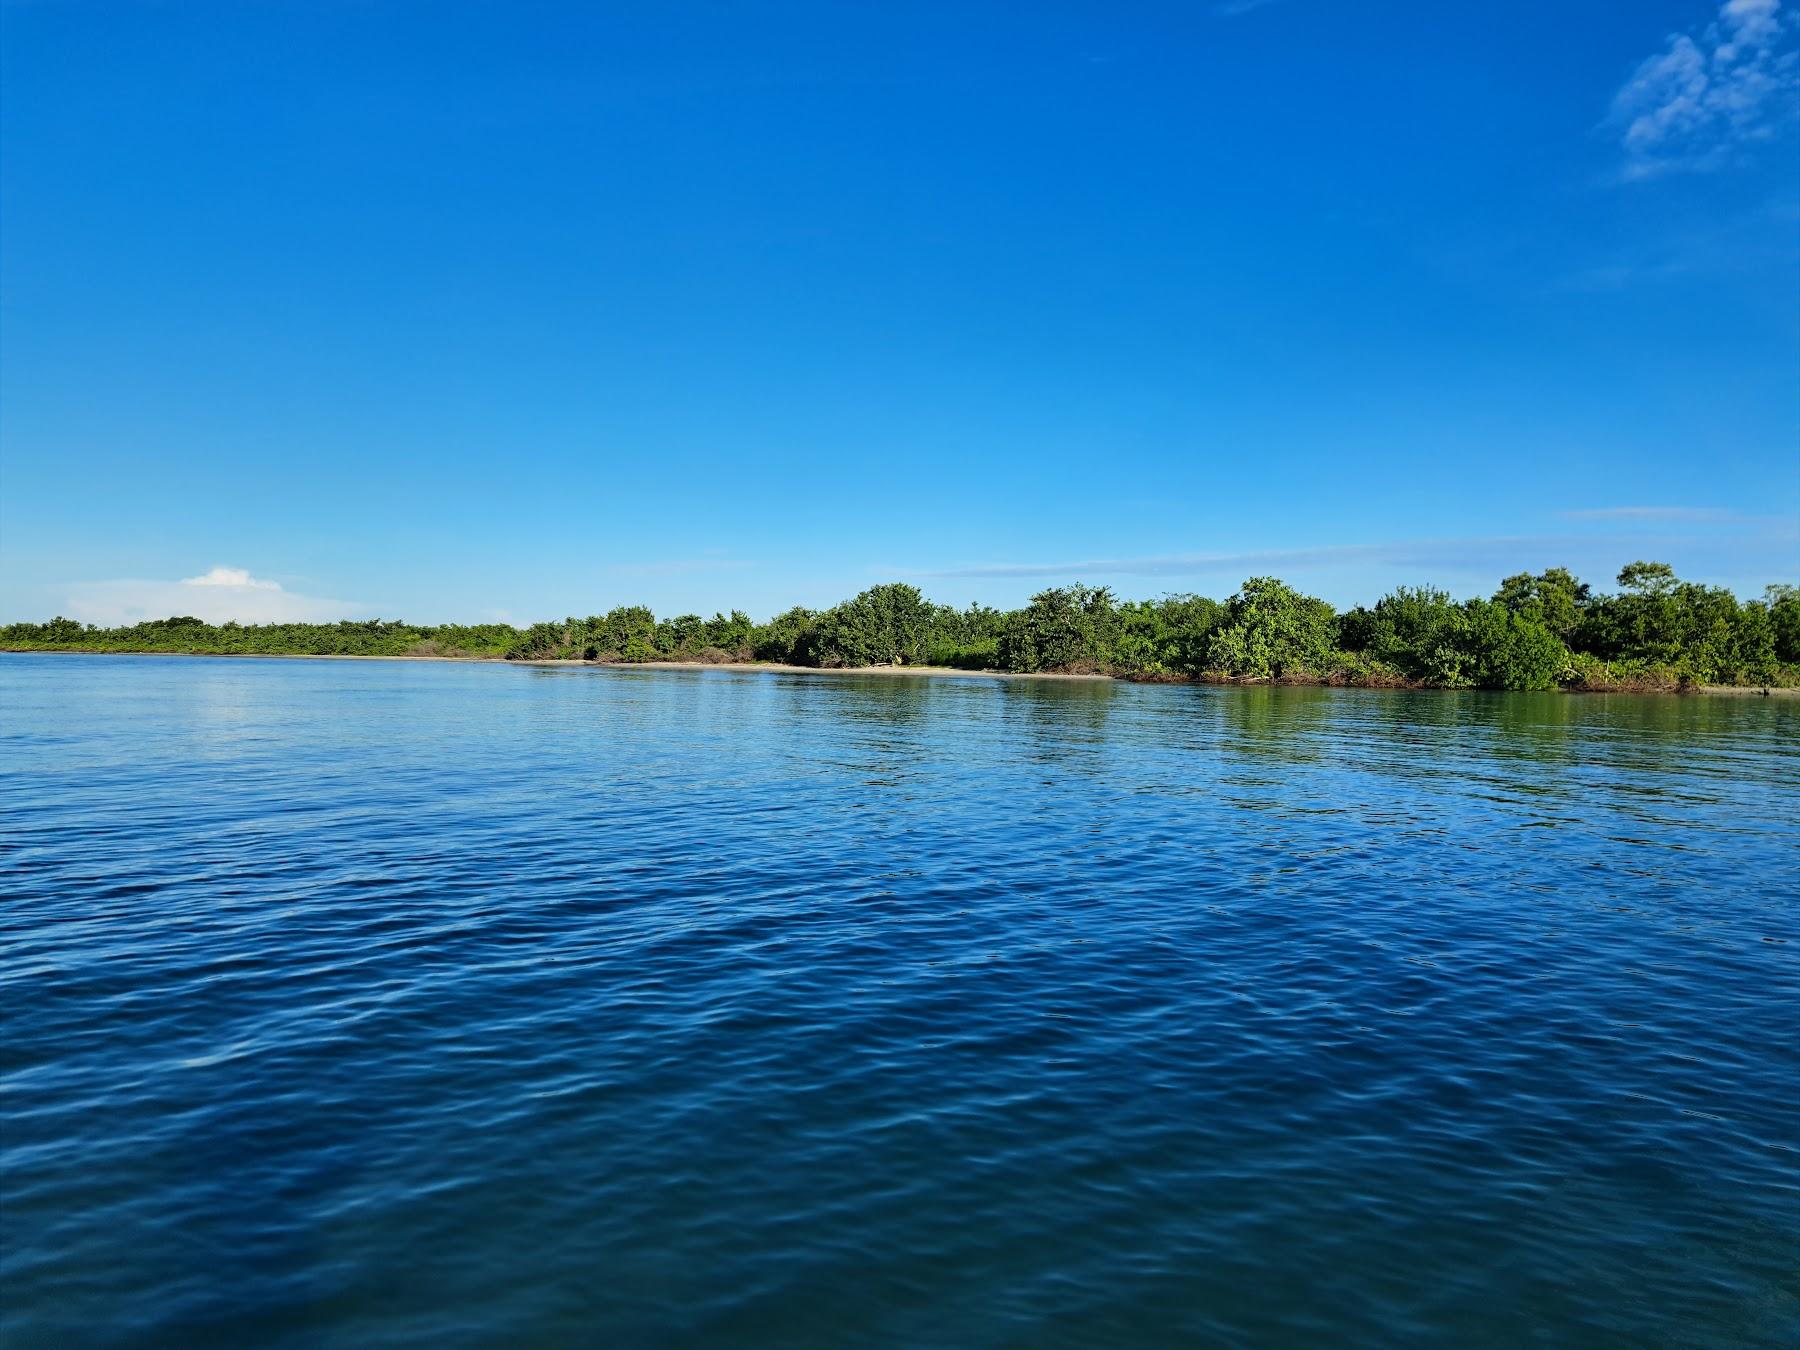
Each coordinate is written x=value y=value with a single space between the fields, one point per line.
x=771 y=667
x=779 y=668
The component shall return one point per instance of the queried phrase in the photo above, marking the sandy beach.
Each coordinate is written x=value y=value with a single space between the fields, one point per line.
x=780 y=669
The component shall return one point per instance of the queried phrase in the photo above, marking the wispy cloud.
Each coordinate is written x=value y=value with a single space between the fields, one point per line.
x=1419 y=552
x=1230 y=9
x=1617 y=276
x=1756 y=242
x=222 y=595
x=1464 y=556
x=1687 y=515
x=678 y=567
x=1705 y=97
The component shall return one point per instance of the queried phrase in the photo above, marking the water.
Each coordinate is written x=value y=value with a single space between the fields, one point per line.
x=383 y=1004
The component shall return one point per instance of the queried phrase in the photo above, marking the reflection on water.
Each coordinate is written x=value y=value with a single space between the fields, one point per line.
x=365 y=1003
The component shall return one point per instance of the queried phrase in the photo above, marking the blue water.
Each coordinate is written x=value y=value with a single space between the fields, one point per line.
x=412 y=1004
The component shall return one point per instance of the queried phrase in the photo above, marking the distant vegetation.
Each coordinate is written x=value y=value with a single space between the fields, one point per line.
x=371 y=637
x=1538 y=631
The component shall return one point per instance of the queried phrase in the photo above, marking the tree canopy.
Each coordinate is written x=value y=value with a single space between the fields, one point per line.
x=1542 y=630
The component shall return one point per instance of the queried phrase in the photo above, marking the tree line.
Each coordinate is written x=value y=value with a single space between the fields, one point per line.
x=185 y=634
x=1542 y=630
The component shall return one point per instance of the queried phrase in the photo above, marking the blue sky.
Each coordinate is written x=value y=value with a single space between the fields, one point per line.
x=474 y=311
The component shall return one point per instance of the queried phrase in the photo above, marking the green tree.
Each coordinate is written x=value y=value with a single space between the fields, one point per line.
x=1554 y=597
x=730 y=633
x=1783 y=604
x=1659 y=622
x=1419 y=631
x=624 y=625
x=683 y=635
x=1753 y=642
x=790 y=638
x=1538 y=630
x=885 y=625
x=1271 y=630
x=1510 y=649
x=1067 y=627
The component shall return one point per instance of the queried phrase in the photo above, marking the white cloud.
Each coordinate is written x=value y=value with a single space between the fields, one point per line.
x=231 y=576
x=1704 y=97
x=222 y=595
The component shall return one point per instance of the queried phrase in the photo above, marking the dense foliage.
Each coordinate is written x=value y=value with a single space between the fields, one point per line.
x=1542 y=631
x=358 y=637
x=632 y=633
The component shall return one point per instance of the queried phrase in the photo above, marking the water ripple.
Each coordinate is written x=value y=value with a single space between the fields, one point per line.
x=387 y=1004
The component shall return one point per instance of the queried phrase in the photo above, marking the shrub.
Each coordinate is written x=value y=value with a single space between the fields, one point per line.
x=885 y=625
x=981 y=655
x=788 y=638
x=1271 y=630
x=1061 y=628
x=1513 y=650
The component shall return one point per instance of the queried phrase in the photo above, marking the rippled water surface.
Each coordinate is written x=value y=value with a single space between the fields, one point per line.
x=413 y=1004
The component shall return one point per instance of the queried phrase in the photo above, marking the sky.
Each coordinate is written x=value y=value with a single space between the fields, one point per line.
x=514 y=311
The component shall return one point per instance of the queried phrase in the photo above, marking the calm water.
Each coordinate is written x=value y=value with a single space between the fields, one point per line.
x=381 y=1004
